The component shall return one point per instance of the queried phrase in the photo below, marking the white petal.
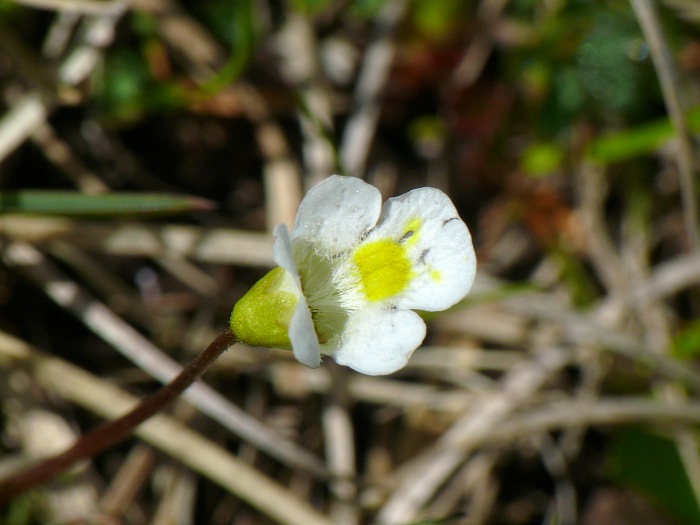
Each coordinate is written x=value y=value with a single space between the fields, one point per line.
x=302 y=335
x=379 y=342
x=334 y=215
x=282 y=252
x=301 y=331
x=442 y=257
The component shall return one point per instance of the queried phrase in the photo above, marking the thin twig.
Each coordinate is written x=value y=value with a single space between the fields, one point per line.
x=474 y=60
x=177 y=500
x=592 y=188
x=360 y=128
x=616 y=411
x=657 y=332
x=298 y=46
x=429 y=471
x=208 y=245
x=689 y=10
x=673 y=276
x=20 y=122
x=578 y=329
x=97 y=34
x=134 y=471
x=661 y=56
x=281 y=173
x=165 y=433
x=189 y=39
x=555 y=462
x=30 y=113
x=112 y=432
x=340 y=450
x=101 y=320
x=64 y=158
x=84 y=7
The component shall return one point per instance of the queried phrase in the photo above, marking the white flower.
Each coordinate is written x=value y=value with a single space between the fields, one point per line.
x=352 y=271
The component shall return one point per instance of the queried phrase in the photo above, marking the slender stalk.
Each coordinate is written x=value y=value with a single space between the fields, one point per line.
x=112 y=432
x=661 y=57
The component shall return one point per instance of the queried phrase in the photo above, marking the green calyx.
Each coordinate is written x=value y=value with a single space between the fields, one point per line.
x=261 y=317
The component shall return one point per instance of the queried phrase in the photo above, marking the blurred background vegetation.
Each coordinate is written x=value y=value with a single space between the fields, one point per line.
x=148 y=148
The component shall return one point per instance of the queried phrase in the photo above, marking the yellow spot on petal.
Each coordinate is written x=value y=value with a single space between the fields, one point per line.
x=383 y=267
x=410 y=231
x=435 y=275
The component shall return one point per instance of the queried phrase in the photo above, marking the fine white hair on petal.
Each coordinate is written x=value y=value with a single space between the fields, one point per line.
x=282 y=251
x=378 y=341
x=440 y=249
x=335 y=214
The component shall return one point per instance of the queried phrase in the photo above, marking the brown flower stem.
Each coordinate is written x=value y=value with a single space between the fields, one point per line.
x=112 y=432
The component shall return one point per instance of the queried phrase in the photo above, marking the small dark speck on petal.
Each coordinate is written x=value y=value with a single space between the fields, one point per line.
x=406 y=236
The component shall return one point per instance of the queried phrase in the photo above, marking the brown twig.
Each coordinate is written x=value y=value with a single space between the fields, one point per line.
x=111 y=432
x=661 y=57
x=360 y=129
x=95 y=315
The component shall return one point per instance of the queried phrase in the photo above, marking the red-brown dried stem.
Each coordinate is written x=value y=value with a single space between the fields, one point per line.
x=112 y=432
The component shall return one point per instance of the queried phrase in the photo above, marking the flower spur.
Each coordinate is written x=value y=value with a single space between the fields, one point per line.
x=351 y=272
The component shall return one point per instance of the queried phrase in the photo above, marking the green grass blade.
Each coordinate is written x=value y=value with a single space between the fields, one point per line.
x=107 y=205
x=635 y=142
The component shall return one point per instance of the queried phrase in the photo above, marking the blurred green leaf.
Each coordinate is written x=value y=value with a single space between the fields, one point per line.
x=366 y=8
x=626 y=144
x=235 y=23
x=686 y=344
x=540 y=160
x=650 y=464
x=144 y=24
x=642 y=140
x=596 y=69
x=7 y=5
x=19 y=511
x=310 y=6
x=127 y=91
x=435 y=18
x=580 y=284
x=428 y=135
x=109 y=205
x=124 y=79
x=605 y=64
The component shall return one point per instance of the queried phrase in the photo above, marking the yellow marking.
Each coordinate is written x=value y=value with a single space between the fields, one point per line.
x=435 y=275
x=384 y=268
x=410 y=231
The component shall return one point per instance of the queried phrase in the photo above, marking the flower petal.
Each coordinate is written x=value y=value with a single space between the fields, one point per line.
x=438 y=244
x=301 y=331
x=378 y=341
x=334 y=215
x=282 y=252
x=302 y=336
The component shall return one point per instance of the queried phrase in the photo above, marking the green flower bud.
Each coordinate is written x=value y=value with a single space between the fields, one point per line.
x=262 y=316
